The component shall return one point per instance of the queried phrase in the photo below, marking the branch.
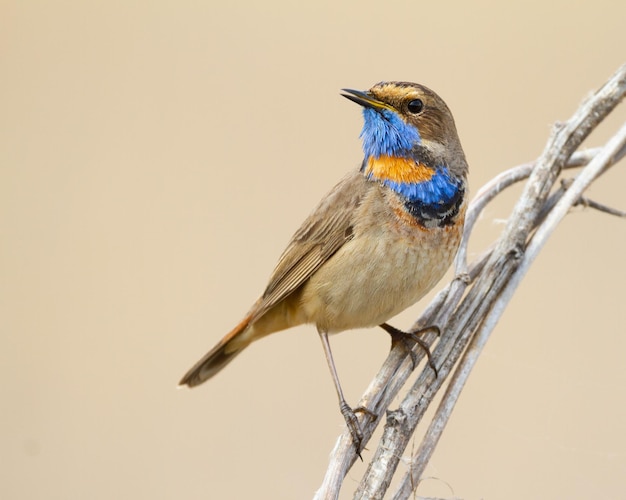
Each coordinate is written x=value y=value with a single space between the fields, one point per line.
x=468 y=309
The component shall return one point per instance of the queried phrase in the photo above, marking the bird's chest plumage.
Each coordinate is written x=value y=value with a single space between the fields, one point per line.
x=431 y=195
x=390 y=263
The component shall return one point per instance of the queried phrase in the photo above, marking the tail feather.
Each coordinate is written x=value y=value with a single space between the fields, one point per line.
x=217 y=358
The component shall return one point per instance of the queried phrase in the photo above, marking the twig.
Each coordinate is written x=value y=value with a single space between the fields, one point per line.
x=460 y=314
x=600 y=206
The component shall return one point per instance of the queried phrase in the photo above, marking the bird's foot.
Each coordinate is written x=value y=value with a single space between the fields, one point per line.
x=353 y=424
x=402 y=337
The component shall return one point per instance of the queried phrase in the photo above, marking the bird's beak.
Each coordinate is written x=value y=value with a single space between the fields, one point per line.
x=365 y=100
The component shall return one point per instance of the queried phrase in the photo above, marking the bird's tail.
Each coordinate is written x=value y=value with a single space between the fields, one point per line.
x=218 y=357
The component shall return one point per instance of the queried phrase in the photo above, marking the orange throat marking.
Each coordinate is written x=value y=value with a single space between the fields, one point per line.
x=397 y=169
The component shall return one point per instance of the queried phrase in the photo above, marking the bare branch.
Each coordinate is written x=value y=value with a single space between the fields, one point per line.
x=600 y=206
x=589 y=203
x=498 y=184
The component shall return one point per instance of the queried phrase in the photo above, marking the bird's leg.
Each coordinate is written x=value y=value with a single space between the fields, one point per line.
x=400 y=336
x=348 y=413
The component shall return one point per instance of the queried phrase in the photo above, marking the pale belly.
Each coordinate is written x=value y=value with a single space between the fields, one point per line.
x=377 y=275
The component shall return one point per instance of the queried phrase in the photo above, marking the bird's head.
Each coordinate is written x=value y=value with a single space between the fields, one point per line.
x=401 y=117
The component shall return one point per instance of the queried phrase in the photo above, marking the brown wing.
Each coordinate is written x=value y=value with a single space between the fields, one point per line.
x=319 y=237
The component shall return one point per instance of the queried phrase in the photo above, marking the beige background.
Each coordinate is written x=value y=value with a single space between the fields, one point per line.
x=155 y=157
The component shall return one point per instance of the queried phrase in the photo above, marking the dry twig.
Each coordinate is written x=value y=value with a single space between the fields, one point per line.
x=469 y=308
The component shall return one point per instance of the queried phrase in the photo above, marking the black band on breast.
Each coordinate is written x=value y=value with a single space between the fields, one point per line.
x=441 y=213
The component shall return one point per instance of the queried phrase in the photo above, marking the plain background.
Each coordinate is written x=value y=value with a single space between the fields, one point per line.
x=155 y=157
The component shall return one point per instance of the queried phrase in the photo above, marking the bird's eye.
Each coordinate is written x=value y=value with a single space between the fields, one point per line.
x=415 y=106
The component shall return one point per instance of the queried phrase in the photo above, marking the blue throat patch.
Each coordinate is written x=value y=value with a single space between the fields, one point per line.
x=385 y=133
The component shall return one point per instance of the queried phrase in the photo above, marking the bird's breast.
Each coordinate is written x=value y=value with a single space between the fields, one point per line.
x=432 y=196
x=387 y=266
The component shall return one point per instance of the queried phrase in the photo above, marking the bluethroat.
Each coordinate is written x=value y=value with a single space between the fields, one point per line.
x=377 y=242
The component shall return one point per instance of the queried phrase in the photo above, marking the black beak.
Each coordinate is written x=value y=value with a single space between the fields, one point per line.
x=365 y=100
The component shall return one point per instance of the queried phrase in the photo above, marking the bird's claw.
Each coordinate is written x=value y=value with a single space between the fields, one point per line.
x=414 y=336
x=353 y=424
x=400 y=336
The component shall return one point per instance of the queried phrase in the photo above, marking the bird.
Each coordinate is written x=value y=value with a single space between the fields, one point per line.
x=376 y=243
